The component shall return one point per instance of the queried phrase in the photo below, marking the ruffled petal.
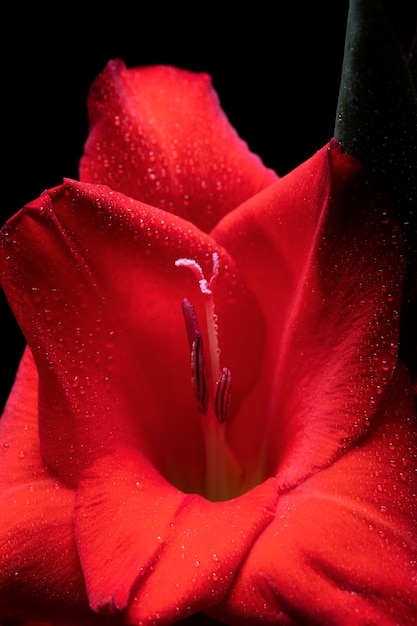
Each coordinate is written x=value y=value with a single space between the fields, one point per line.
x=342 y=548
x=330 y=303
x=136 y=535
x=18 y=428
x=40 y=573
x=158 y=134
x=91 y=277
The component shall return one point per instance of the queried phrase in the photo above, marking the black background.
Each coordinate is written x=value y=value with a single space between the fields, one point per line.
x=276 y=70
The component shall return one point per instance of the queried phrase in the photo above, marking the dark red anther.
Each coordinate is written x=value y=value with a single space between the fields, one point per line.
x=198 y=366
x=222 y=399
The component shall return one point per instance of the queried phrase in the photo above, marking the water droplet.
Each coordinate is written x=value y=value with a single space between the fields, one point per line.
x=215 y=576
x=196 y=563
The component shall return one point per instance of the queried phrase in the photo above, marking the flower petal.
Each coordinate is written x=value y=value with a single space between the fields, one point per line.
x=136 y=534
x=38 y=552
x=342 y=547
x=91 y=277
x=331 y=306
x=158 y=134
x=20 y=461
x=40 y=573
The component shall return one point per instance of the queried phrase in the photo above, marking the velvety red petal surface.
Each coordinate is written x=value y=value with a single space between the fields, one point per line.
x=179 y=553
x=158 y=134
x=38 y=548
x=40 y=573
x=321 y=254
x=92 y=279
x=308 y=324
x=342 y=548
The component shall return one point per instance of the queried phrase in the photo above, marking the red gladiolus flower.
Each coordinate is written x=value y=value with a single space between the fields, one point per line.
x=210 y=416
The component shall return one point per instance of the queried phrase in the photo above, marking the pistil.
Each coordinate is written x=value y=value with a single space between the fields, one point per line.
x=211 y=387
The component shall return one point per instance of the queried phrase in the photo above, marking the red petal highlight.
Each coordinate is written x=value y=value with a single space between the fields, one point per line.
x=18 y=428
x=158 y=134
x=40 y=574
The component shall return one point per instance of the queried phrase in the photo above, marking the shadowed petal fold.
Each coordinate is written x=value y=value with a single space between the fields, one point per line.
x=342 y=548
x=137 y=534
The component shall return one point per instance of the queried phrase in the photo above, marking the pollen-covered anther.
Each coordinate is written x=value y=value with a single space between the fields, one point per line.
x=222 y=398
x=205 y=285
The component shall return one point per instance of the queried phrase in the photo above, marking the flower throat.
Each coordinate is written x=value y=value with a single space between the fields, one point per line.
x=211 y=386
